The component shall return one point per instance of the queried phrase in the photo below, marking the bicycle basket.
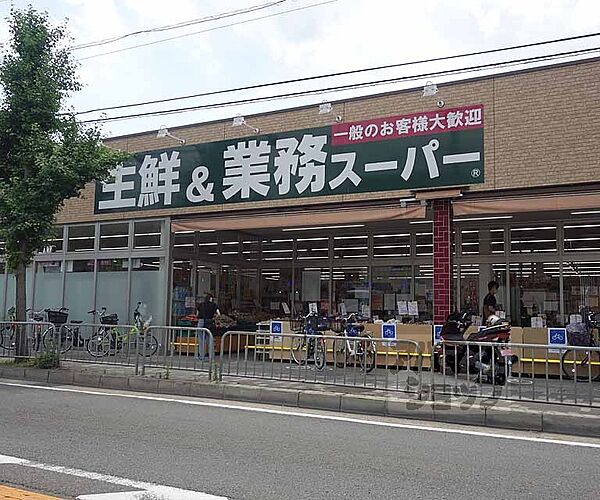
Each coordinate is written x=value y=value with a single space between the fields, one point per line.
x=111 y=319
x=297 y=324
x=578 y=335
x=338 y=326
x=57 y=317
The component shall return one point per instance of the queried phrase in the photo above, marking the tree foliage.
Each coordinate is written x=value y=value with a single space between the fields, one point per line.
x=46 y=155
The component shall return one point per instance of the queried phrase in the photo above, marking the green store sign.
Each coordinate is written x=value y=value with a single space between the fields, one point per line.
x=423 y=150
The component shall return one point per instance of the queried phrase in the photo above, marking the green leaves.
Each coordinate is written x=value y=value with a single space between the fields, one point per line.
x=46 y=156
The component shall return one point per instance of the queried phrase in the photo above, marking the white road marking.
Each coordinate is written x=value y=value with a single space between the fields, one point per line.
x=335 y=418
x=150 y=490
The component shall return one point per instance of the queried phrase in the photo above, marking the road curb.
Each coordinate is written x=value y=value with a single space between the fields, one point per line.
x=475 y=413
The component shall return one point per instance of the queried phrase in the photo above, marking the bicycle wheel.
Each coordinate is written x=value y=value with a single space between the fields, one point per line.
x=298 y=349
x=51 y=336
x=581 y=365
x=148 y=345
x=7 y=338
x=320 y=353
x=368 y=354
x=340 y=352
x=99 y=344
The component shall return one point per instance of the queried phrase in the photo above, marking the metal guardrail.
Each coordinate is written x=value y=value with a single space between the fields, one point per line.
x=99 y=343
x=542 y=373
x=35 y=335
x=568 y=375
x=323 y=359
x=179 y=348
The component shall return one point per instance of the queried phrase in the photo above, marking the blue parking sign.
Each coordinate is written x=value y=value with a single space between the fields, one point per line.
x=388 y=331
x=557 y=336
x=437 y=334
x=276 y=327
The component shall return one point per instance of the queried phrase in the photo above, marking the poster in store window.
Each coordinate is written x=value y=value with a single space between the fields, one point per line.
x=389 y=301
x=413 y=308
x=311 y=286
x=402 y=307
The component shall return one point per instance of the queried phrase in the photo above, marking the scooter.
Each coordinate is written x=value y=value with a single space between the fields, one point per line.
x=488 y=363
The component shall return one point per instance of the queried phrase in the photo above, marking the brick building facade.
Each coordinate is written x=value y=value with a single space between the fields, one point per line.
x=529 y=224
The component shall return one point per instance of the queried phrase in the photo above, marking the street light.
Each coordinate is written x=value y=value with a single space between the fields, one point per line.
x=163 y=131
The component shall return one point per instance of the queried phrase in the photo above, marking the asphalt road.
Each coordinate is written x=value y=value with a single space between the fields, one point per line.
x=244 y=452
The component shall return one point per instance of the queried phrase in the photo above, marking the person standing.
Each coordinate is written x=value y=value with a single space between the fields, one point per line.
x=207 y=311
x=489 y=302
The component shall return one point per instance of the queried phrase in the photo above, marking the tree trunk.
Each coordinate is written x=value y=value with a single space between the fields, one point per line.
x=22 y=349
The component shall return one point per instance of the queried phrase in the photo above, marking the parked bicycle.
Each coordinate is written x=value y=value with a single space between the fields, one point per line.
x=111 y=340
x=8 y=332
x=307 y=345
x=346 y=351
x=62 y=336
x=581 y=364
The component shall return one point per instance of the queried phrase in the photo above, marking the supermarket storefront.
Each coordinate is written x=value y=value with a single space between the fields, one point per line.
x=390 y=206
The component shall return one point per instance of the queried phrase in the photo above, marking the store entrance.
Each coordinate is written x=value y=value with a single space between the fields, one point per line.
x=261 y=274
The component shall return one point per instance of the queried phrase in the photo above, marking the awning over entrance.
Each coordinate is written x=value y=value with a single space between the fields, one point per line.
x=539 y=203
x=297 y=219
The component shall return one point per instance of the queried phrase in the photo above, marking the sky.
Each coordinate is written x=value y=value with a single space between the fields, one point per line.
x=299 y=38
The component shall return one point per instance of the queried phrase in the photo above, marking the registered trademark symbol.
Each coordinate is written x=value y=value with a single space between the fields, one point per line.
x=475 y=173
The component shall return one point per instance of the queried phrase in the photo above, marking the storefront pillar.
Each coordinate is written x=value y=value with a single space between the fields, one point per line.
x=442 y=260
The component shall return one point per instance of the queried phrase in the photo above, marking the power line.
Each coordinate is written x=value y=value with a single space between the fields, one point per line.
x=183 y=24
x=206 y=30
x=455 y=71
x=341 y=73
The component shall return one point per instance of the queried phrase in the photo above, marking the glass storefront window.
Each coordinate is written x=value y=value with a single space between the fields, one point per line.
x=114 y=236
x=424 y=243
x=55 y=242
x=312 y=248
x=351 y=247
x=581 y=283
x=183 y=301
x=474 y=279
x=582 y=238
x=147 y=287
x=312 y=286
x=277 y=249
x=11 y=288
x=251 y=249
x=469 y=288
x=208 y=246
x=228 y=290
x=230 y=246
x=48 y=285
x=391 y=245
x=81 y=238
x=351 y=287
x=390 y=285
x=111 y=289
x=147 y=234
x=482 y=241
x=424 y=291
x=533 y=239
x=276 y=288
x=248 y=292
x=470 y=241
x=184 y=240
x=534 y=293
x=79 y=289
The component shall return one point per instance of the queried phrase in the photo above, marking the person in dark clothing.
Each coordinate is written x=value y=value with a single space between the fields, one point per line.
x=207 y=311
x=489 y=302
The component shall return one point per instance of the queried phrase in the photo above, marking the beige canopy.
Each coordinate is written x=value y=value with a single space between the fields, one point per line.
x=284 y=218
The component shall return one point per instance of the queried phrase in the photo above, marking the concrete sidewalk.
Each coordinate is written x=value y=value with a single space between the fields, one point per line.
x=563 y=419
